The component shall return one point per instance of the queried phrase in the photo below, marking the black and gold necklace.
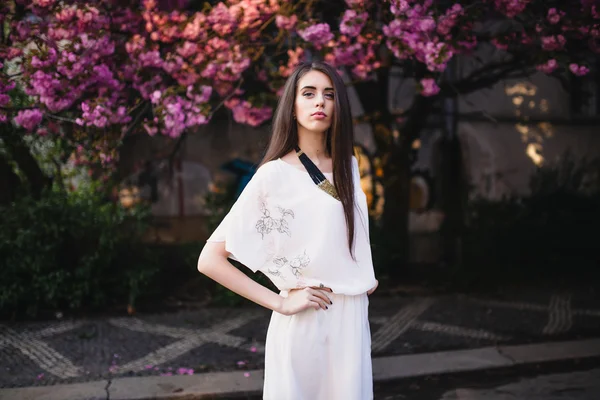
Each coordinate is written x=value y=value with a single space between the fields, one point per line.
x=316 y=175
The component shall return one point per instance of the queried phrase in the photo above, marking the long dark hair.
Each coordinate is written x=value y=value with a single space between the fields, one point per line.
x=339 y=141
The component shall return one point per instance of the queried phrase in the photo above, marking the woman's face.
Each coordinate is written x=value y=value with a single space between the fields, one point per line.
x=315 y=102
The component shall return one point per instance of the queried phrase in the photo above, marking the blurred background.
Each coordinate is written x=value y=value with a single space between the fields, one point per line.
x=128 y=130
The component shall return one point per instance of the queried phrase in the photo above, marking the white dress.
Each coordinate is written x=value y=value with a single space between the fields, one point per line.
x=286 y=227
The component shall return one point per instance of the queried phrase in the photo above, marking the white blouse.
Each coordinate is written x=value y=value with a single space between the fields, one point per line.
x=286 y=227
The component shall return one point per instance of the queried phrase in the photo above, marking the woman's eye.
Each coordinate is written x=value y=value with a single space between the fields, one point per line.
x=307 y=94
x=329 y=95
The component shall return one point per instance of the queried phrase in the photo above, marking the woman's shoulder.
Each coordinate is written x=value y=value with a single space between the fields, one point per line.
x=267 y=171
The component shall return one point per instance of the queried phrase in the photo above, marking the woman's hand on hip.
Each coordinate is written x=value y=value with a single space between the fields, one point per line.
x=302 y=299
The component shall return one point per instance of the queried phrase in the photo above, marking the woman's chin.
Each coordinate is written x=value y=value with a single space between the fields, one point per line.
x=317 y=127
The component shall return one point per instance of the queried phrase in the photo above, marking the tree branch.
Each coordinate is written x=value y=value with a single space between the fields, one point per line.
x=136 y=120
x=469 y=85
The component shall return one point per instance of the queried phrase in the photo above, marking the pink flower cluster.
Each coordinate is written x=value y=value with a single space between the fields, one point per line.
x=98 y=61
x=429 y=87
x=553 y=43
x=356 y=3
x=295 y=56
x=253 y=13
x=360 y=55
x=511 y=8
x=548 y=67
x=554 y=16
x=579 y=70
x=417 y=32
x=100 y=116
x=353 y=22
x=317 y=34
x=245 y=113
x=222 y=20
x=29 y=119
x=287 y=23
x=176 y=113
x=5 y=87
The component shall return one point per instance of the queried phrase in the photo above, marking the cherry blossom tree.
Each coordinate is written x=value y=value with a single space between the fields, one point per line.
x=97 y=73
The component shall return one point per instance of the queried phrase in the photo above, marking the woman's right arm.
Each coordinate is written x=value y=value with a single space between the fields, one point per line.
x=214 y=264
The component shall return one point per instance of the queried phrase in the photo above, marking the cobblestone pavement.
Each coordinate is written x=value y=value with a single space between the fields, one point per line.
x=565 y=380
x=45 y=353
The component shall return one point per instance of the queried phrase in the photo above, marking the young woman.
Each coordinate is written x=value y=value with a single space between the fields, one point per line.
x=302 y=220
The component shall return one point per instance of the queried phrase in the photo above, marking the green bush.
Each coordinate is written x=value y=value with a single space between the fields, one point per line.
x=71 y=251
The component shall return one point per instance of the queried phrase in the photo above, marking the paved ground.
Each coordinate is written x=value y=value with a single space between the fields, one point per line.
x=570 y=380
x=53 y=352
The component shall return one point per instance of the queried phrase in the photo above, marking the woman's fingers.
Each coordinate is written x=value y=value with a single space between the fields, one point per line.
x=314 y=304
x=322 y=303
x=321 y=294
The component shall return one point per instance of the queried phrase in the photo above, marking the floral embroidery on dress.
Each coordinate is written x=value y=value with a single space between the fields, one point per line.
x=266 y=223
x=296 y=265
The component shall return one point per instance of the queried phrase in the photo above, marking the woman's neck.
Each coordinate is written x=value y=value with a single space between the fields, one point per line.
x=313 y=144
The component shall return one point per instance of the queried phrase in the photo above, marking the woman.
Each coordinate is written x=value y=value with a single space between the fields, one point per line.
x=308 y=232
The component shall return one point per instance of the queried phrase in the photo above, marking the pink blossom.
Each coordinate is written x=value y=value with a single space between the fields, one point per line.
x=547 y=67
x=356 y=3
x=398 y=7
x=353 y=22
x=317 y=34
x=29 y=119
x=553 y=43
x=245 y=113
x=151 y=130
x=511 y=8
x=295 y=57
x=196 y=28
x=449 y=20
x=429 y=87
x=13 y=52
x=287 y=23
x=347 y=55
x=203 y=97
x=554 y=16
x=222 y=21
x=437 y=56
x=185 y=371
x=44 y=3
x=579 y=70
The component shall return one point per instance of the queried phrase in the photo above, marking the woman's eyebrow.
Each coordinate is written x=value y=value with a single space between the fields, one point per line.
x=314 y=88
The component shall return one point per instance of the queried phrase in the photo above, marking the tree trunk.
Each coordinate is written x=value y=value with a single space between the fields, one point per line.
x=453 y=198
x=19 y=152
x=397 y=187
x=9 y=182
x=396 y=208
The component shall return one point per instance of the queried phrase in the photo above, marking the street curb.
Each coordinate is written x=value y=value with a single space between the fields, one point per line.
x=238 y=383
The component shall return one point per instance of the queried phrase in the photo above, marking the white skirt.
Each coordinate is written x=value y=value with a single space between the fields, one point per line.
x=320 y=354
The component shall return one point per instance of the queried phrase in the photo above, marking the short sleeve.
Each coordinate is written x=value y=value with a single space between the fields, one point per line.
x=238 y=229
